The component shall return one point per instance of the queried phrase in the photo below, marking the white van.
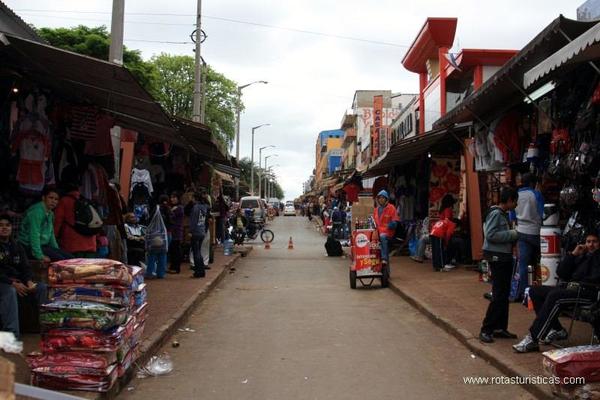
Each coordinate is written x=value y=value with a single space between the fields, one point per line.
x=254 y=203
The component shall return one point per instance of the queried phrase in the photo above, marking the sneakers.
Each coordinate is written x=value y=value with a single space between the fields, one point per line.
x=555 y=336
x=449 y=267
x=526 y=345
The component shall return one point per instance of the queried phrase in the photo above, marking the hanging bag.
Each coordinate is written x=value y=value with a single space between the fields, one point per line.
x=86 y=217
x=156 y=234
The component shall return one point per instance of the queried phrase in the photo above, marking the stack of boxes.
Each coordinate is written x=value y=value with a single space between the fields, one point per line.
x=91 y=326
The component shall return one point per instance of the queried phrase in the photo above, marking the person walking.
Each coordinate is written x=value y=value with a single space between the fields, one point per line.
x=199 y=216
x=529 y=215
x=497 y=250
x=386 y=220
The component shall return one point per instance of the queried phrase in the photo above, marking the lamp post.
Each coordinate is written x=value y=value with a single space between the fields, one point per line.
x=273 y=180
x=259 y=167
x=267 y=174
x=237 y=131
x=252 y=158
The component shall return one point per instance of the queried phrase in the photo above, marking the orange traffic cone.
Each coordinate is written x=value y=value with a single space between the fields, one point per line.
x=291 y=244
x=267 y=245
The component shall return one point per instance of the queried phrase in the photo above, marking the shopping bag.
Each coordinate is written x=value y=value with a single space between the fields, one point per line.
x=156 y=234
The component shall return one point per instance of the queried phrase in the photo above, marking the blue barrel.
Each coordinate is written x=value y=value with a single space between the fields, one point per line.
x=228 y=247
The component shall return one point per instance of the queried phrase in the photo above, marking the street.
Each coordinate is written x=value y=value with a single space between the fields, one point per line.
x=286 y=325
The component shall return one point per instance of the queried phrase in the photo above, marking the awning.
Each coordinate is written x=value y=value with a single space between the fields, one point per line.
x=584 y=48
x=499 y=93
x=224 y=177
x=408 y=149
x=88 y=80
x=229 y=170
x=199 y=137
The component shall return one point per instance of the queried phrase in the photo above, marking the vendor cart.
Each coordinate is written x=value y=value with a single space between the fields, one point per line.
x=366 y=259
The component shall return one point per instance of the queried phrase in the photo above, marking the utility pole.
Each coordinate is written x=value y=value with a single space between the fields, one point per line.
x=115 y=52
x=196 y=114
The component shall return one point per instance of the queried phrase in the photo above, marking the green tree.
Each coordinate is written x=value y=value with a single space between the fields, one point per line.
x=245 y=173
x=175 y=91
x=95 y=42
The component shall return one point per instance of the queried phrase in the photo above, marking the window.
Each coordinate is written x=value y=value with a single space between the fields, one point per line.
x=249 y=203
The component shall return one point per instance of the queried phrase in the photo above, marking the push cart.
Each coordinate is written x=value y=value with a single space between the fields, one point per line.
x=366 y=259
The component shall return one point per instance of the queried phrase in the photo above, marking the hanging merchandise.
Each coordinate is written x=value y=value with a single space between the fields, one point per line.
x=33 y=148
x=156 y=234
x=569 y=195
x=101 y=143
x=83 y=122
x=141 y=176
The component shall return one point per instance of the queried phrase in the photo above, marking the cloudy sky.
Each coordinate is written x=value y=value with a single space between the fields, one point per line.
x=312 y=77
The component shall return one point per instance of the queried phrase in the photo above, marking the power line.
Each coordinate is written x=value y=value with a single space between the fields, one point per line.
x=235 y=21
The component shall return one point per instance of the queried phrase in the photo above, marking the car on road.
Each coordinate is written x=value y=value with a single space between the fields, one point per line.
x=289 y=210
x=256 y=204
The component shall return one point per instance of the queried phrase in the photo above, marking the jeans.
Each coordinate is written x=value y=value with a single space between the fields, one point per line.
x=529 y=254
x=205 y=248
x=496 y=316
x=421 y=244
x=385 y=247
x=197 y=252
x=9 y=305
x=157 y=262
x=175 y=255
x=55 y=254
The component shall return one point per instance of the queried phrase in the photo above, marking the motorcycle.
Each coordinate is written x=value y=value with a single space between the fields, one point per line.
x=251 y=231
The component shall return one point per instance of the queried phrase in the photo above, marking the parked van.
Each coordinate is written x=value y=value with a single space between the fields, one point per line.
x=254 y=203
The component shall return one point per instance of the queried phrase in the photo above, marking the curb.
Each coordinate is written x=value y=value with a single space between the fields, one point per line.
x=472 y=343
x=152 y=344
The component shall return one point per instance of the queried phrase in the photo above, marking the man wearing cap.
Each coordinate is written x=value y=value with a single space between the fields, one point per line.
x=386 y=220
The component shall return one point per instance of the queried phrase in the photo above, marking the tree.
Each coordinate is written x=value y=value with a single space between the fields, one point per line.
x=95 y=42
x=245 y=173
x=175 y=91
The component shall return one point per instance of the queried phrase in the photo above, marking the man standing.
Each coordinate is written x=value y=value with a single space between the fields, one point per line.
x=15 y=279
x=529 y=214
x=386 y=220
x=581 y=266
x=198 y=226
x=497 y=250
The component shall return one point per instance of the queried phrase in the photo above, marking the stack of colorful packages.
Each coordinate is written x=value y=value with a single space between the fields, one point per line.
x=90 y=325
x=575 y=371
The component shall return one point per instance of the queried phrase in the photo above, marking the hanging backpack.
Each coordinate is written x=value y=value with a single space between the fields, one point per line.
x=87 y=219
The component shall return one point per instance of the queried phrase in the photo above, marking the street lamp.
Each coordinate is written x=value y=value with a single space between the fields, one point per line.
x=237 y=131
x=267 y=173
x=252 y=158
x=259 y=167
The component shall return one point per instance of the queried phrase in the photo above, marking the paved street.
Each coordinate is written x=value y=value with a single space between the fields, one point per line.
x=286 y=325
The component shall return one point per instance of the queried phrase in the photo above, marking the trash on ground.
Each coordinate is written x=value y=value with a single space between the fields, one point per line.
x=245 y=381
x=186 y=330
x=473 y=356
x=9 y=343
x=175 y=343
x=156 y=366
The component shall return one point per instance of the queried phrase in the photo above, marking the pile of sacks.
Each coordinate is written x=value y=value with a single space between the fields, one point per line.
x=91 y=326
x=575 y=371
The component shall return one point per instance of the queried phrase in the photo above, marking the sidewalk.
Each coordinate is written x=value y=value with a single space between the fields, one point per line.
x=170 y=302
x=454 y=301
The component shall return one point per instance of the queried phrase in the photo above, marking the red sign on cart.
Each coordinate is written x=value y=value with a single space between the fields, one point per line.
x=367 y=256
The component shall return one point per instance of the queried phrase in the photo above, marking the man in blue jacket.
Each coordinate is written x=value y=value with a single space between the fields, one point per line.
x=497 y=250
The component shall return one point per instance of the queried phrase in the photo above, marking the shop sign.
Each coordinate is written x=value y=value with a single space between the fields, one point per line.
x=377 y=123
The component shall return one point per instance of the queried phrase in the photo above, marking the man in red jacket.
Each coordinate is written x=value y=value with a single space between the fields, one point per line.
x=386 y=220
x=68 y=238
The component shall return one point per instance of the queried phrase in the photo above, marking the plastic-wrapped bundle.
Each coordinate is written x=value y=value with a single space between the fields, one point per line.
x=57 y=340
x=141 y=313
x=579 y=361
x=589 y=391
x=81 y=314
x=140 y=296
x=137 y=275
x=89 y=270
x=91 y=383
x=126 y=363
x=138 y=331
x=100 y=293
x=78 y=363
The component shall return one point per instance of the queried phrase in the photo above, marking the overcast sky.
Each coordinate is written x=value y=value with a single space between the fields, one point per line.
x=312 y=78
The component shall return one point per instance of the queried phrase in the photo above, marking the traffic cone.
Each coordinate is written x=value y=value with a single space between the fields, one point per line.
x=267 y=245
x=291 y=244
